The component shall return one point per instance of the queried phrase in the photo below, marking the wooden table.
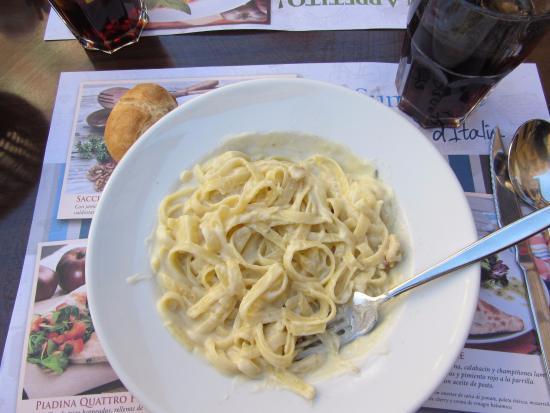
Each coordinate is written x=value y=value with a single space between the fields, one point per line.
x=29 y=73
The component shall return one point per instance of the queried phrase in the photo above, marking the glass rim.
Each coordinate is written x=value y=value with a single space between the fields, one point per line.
x=503 y=16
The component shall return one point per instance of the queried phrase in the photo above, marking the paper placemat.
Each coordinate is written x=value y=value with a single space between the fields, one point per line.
x=490 y=375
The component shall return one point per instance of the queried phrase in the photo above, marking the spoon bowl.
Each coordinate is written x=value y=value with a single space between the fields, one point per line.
x=529 y=163
x=98 y=119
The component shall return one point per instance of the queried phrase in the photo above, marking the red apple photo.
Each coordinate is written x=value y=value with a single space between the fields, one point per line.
x=70 y=269
x=47 y=283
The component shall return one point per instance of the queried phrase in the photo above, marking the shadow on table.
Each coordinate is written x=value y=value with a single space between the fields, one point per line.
x=148 y=52
x=18 y=19
x=23 y=133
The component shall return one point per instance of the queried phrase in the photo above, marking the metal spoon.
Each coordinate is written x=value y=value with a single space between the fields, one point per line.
x=529 y=163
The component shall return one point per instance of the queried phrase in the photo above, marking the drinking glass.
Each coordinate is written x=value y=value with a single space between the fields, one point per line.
x=105 y=25
x=456 y=51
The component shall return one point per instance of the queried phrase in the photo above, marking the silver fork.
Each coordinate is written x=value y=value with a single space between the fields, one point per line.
x=360 y=316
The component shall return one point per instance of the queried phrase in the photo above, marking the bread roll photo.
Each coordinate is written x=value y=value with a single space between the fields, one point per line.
x=135 y=112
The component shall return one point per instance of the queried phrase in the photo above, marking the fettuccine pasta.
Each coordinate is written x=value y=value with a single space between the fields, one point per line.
x=253 y=256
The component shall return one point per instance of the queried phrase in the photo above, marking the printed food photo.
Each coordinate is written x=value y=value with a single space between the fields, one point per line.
x=502 y=319
x=63 y=355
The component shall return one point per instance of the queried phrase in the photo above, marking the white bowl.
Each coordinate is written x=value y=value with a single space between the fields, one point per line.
x=409 y=357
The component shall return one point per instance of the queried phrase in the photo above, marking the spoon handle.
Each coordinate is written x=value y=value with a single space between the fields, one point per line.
x=503 y=238
x=202 y=87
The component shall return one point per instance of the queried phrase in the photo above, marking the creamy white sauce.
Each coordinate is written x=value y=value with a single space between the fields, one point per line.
x=360 y=353
x=295 y=147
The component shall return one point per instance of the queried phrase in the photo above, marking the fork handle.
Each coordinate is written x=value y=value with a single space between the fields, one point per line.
x=497 y=241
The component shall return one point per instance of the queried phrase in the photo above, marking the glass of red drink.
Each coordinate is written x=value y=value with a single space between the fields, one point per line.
x=456 y=51
x=105 y=25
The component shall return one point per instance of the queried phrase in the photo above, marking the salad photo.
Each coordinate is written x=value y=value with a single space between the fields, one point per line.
x=59 y=337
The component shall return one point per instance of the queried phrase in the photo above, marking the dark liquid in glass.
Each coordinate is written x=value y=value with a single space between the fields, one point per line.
x=454 y=53
x=103 y=24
